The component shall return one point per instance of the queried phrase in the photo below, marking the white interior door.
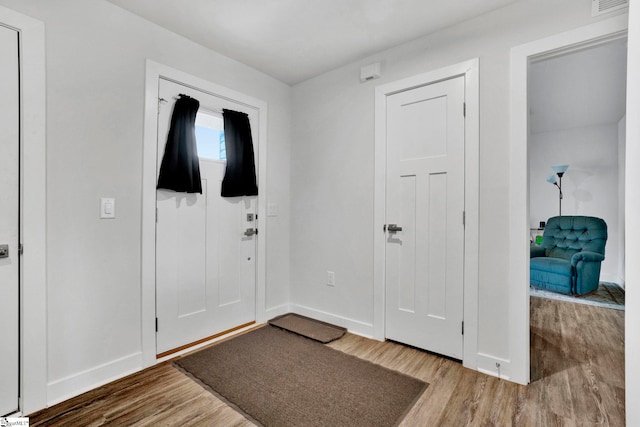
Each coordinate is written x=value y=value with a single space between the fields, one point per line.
x=425 y=198
x=9 y=219
x=205 y=263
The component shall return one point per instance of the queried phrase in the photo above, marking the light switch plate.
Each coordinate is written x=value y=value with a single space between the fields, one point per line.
x=272 y=209
x=107 y=208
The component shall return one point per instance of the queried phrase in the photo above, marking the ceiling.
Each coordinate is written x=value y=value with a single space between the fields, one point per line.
x=294 y=40
x=582 y=88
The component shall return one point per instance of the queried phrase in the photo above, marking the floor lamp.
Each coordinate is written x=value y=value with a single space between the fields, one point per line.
x=559 y=170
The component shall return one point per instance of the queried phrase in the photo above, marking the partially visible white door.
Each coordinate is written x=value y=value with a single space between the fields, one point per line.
x=425 y=198
x=205 y=263
x=9 y=219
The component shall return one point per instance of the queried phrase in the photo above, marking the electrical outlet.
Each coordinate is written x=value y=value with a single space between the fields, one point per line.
x=331 y=278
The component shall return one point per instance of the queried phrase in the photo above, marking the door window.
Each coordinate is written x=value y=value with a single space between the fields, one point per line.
x=210 y=136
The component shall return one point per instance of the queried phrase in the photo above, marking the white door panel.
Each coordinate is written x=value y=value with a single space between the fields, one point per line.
x=205 y=265
x=9 y=219
x=425 y=196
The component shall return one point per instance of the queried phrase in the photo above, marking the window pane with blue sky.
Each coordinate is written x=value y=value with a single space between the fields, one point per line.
x=210 y=136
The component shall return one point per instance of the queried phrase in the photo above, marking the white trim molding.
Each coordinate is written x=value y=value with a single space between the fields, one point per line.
x=494 y=366
x=33 y=266
x=632 y=215
x=155 y=71
x=470 y=71
x=353 y=326
x=81 y=382
x=519 y=176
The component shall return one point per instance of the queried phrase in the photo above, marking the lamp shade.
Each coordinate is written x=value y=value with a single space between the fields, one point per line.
x=560 y=169
x=551 y=179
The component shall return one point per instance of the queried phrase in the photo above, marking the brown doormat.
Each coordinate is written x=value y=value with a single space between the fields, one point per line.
x=276 y=378
x=307 y=327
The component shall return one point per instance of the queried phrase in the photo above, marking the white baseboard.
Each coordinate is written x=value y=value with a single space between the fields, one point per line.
x=354 y=326
x=494 y=366
x=272 y=312
x=612 y=278
x=74 y=385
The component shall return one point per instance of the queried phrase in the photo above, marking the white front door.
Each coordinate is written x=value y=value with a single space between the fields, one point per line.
x=9 y=219
x=425 y=198
x=205 y=263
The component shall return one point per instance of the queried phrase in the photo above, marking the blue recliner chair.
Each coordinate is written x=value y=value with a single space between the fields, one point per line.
x=568 y=259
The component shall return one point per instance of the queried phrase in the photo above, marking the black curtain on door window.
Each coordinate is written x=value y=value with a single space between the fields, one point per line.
x=180 y=168
x=240 y=174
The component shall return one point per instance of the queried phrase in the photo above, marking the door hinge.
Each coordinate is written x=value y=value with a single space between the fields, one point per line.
x=464 y=109
x=20 y=249
x=156 y=324
x=463 y=327
x=156 y=215
x=464 y=218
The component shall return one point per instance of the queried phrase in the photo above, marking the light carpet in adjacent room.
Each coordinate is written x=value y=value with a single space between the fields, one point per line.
x=608 y=295
x=277 y=378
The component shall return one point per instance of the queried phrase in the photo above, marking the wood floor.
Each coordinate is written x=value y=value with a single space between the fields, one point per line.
x=577 y=379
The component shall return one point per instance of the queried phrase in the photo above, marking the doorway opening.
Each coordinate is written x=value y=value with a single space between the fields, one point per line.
x=522 y=58
x=577 y=114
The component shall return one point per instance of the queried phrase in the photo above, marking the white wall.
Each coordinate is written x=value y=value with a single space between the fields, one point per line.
x=95 y=69
x=589 y=187
x=632 y=206
x=332 y=165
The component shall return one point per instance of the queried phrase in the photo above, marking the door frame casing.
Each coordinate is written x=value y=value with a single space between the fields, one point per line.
x=155 y=71
x=470 y=70
x=33 y=276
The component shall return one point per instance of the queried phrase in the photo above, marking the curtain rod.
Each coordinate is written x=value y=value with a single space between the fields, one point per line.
x=178 y=97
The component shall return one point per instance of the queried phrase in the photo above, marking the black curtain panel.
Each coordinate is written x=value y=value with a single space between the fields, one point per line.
x=240 y=174
x=180 y=168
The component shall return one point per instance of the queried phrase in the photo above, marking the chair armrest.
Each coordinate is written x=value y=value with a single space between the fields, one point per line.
x=536 y=251
x=586 y=256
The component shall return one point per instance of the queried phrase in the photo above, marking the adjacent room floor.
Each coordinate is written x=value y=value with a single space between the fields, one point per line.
x=577 y=379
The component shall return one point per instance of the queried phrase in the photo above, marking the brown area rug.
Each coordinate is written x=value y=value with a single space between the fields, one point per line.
x=276 y=378
x=307 y=327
